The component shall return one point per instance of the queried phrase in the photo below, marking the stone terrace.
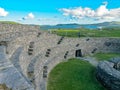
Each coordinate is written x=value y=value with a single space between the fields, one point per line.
x=32 y=53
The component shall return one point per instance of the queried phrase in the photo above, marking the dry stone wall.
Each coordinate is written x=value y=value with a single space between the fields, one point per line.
x=17 y=27
x=41 y=51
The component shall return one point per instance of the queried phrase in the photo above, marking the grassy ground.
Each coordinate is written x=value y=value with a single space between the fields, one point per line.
x=73 y=75
x=9 y=22
x=88 y=33
x=105 y=56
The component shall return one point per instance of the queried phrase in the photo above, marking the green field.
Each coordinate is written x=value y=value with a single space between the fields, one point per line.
x=105 y=56
x=88 y=33
x=9 y=22
x=73 y=75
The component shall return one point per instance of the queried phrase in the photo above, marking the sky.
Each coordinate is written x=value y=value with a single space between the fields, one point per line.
x=52 y=12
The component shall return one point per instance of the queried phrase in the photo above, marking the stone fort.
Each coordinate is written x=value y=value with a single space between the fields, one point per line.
x=28 y=54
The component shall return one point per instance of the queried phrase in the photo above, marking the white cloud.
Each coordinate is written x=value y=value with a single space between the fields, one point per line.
x=3 y=13
x=43 y=19
x=29 y=16
x=100 y=13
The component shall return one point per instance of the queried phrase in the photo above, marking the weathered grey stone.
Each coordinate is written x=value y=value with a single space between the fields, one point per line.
x=117 y=66
x=15 y=58
x=108 y=76
x=115 y=60
x=10 y=76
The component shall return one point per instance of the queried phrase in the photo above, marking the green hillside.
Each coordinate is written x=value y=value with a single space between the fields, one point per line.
x=113 y=32
x=9 y=22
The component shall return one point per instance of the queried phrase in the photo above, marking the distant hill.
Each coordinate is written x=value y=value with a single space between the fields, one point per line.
x=76 y=26
x=9 y=22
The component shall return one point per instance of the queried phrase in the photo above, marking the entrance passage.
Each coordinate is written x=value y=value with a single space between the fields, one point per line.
x=78 y=53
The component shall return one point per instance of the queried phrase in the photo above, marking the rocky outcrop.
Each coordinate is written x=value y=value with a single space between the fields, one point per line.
x=108 y=75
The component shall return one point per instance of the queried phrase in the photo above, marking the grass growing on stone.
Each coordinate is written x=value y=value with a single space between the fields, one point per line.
x=87 y=33
x=106 y=56
x=4 y=87
x=73 y=75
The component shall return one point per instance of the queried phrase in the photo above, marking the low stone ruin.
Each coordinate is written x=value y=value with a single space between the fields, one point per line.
x=108 y=73
x=28 y=54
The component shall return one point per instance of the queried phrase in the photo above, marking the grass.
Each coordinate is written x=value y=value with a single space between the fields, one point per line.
x=73 y=75
x=4 y=87
x=9 y=22
x=105 y=56
x=88 y=33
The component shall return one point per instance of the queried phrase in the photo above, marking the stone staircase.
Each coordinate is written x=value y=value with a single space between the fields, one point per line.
x=10 y=76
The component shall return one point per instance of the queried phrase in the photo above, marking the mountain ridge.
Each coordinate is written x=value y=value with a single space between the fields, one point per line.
x=76 y=26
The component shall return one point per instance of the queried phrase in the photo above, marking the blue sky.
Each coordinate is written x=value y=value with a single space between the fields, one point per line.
x=59 y=11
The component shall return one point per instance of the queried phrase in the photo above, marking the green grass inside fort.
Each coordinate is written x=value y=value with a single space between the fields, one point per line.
x=105 y=56
x=73 y=75
x=88 y=33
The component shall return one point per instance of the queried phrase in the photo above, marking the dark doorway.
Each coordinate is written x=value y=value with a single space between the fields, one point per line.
x=78 y=53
